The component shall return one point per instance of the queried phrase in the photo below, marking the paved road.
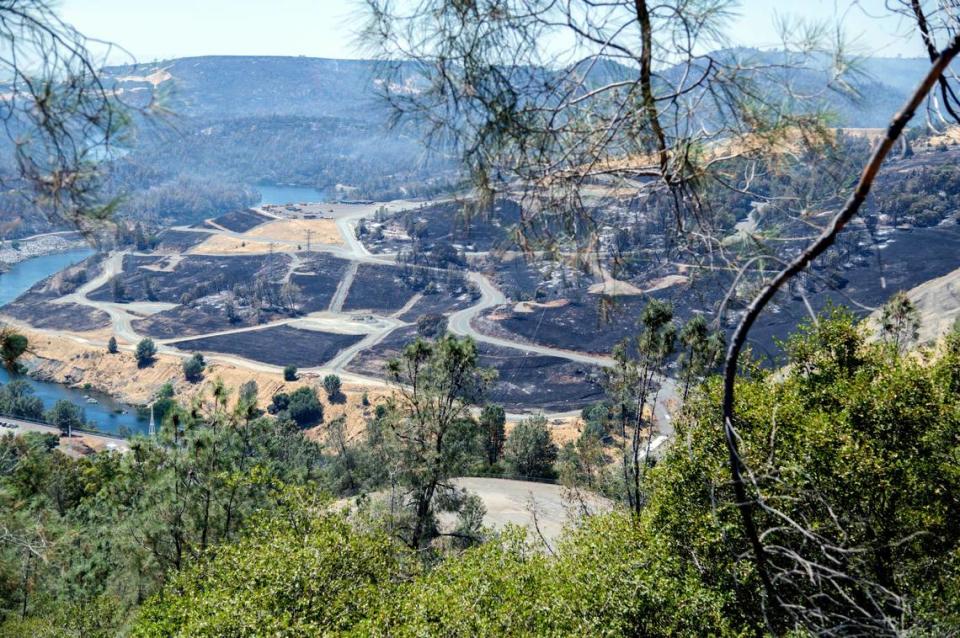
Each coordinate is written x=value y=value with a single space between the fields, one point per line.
x=460 y=323
x=343 y=288
x=516 y=502
x=104 y=441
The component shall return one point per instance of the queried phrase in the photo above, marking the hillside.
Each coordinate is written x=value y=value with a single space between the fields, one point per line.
x=225 y=87
x=244 y=86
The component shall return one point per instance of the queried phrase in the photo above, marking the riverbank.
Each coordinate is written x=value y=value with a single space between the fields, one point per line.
x=38 y=246
x=82 y=361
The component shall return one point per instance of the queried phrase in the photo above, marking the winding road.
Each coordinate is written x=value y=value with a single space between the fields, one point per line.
x=346 y=219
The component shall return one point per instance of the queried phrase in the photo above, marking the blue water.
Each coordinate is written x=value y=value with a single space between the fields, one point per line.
x=20 y=277
x=107 y=414
x=273 y=194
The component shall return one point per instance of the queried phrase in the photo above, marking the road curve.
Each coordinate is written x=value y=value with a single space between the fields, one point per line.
x=459 y=323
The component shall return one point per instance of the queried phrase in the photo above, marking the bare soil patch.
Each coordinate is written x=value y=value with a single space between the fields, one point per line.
x=322 y=231
x=224 y=245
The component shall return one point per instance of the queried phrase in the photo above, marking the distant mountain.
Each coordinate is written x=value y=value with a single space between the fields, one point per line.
x=245 y=86
x=226 y=87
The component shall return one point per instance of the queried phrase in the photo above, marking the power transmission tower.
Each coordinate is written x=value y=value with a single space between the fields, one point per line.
x=309 y=236
x=152 y=431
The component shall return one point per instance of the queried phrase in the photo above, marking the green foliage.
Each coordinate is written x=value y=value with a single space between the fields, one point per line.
x=112 y=345
x=146 y=352
x=12 y=346
x=290 y=373
x=529 y=450
x=607 y=579
x=332 y=385
x=700 y=351
x=856 y=448
x=315 y=574
x=17 y=399
x=428 y=433
x=900 y=321
x=492 y=422
x=301 y=406
x=301 y=576
x=193 y=368
x=90 y=538
x=853 y=447
x=65 y=415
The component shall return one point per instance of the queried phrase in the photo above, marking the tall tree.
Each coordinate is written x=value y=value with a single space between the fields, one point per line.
x=899 y=321
x=700 y=351
x=492 y=422
x=635 y=382
x=429 y=423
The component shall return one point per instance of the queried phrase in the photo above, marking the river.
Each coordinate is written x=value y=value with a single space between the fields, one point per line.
x=277 y=195
x=107 y=415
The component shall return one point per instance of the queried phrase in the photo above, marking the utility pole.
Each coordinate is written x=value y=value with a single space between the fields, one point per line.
x=309 y=235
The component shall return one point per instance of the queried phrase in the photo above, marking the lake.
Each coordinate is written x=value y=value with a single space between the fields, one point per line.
x=21 y=276
x=274 y=194
x=108 y=415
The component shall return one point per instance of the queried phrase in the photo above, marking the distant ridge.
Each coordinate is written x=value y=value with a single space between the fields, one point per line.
x=228 y=86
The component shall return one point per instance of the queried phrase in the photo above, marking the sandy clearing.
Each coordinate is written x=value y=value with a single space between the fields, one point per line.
x=666 y=282
x=614 y=288
x=156 y=78
x=65 y=360
x=531 y=306
x=324 y=231
x=224 y=245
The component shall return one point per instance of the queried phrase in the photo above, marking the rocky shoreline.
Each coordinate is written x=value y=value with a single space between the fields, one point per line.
x=37 y=246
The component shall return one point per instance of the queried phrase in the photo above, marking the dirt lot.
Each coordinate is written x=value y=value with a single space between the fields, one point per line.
x=186 y=321
x=386 y=289
x=223 y=245
x=533 y=381
x=446 y=222
x=323 y=231
x=439 y=304
x=279 y=346
x=583 y=324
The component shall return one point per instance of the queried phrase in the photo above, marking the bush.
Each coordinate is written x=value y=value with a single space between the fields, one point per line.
x=431 y=326
x=290 y=373
x=529 y=450
x=17 y=399
x=65 y=416
x=12 y=346
x=112 y=345
x=334 y=574
x=332 y=385
x=301 y=406
x=146 y=352
x=193 y=368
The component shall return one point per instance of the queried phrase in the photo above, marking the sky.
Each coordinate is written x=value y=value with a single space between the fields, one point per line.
x=154 y=29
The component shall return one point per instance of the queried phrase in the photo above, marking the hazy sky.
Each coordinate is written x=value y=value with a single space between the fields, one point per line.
x=152 y=29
